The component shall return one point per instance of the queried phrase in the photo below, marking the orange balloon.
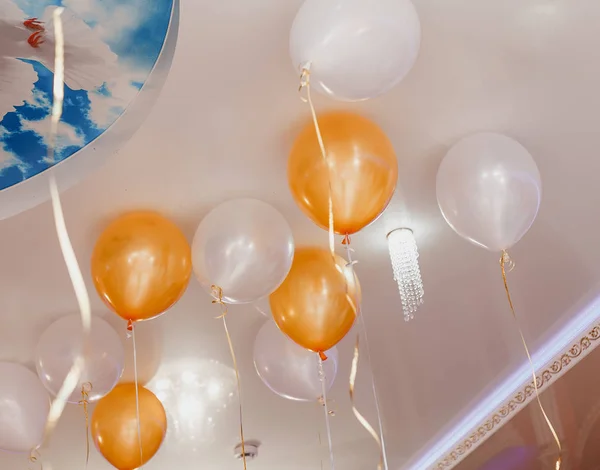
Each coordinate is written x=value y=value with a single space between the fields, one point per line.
x=362 y=168
x=141 y=265
x=316 y=304
x=115 y=426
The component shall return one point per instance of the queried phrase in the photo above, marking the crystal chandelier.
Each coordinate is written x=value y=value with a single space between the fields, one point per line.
x=405 y=263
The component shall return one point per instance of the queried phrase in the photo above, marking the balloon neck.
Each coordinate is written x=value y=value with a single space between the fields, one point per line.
x=322 y=356
x=346 y=240
x=304 y=67
x=130 y=325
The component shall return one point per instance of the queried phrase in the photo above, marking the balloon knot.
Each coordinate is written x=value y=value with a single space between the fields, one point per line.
x=217 y=294
x=322 y=356
x=346 y=240
x=304 y=81
x=86 y=388
x=304 y=77
x=34 y=460
x=506 y=262
x=34 y=455
x=129 y=328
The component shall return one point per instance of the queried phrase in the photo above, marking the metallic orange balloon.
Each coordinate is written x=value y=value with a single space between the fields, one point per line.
x=141 y=265
x=316 y=304
x=362 y=167
x=115 y=427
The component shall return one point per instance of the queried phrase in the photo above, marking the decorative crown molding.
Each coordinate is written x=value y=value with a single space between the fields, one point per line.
x=560 y=364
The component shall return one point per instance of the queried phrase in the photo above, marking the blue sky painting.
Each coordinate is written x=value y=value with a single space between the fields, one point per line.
x=110 y=48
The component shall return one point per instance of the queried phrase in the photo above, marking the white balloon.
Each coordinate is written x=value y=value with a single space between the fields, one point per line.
x=290 y=370
x=356 y=49
x=245 y=247
x=489 y=190
x=264 y=307
x=60 y=344
x=24 y=407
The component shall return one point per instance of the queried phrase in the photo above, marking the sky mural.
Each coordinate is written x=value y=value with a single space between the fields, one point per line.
x=110 y=48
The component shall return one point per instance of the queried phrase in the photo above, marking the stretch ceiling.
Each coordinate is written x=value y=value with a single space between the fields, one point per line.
x=223 y=127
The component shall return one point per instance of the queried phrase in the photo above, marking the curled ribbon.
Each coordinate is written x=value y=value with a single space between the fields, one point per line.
x=350 y=265
x=70 y=383
x=361 y=419
x=217 y=294
x=86 y=388
x=507 y=264
x=305 y=84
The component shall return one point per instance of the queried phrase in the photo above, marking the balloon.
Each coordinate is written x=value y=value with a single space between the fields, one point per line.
x=245 y=247
x=59 y=346
x=141 y=265
x=316 y=304
x=263 y=307
x=356 y=49
x=489 y=190
x=115 y=426
x=362 y=167
x=288 y=369
x=24 y=407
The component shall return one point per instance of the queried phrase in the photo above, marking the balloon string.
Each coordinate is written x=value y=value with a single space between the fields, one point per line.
x=320 y=445
x=217 y=294
x=86 y=388
x=506 y=261
x=361 y=419
x=350 y=265
x=131 y=327
x=320 y=405
x=34 y=460
x=323 y=380
x=70 y=383
x=305 y=83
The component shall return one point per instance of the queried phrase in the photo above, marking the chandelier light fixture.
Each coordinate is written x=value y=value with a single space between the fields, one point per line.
x=405 y=264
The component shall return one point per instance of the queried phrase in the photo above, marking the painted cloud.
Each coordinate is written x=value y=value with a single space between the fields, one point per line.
x=110 y=48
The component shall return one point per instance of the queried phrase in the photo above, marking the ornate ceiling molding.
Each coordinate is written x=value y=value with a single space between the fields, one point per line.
x=558 y=366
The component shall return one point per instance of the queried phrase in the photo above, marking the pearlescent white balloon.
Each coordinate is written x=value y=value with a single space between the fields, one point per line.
x=357 y=49
x=290 y=370
x=244 y=246
x=489 y=190
x=24 y=407
x=263 y=306
x=60 y=344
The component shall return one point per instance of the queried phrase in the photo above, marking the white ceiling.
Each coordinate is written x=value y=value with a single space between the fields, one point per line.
x=223 y=127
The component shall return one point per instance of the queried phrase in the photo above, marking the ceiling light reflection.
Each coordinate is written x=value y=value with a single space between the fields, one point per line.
x=197 y=396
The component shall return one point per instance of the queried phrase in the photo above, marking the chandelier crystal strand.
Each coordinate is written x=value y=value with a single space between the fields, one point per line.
x=405 y=264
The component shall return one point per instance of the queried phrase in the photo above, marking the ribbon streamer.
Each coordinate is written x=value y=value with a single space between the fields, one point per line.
x=217 y=294
x=361 y=419
x=86 y=388
x=131 y=328
x=507 y=262
x=305 y=83
x=70 y=383
x=350 y=265
x=323 y=380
